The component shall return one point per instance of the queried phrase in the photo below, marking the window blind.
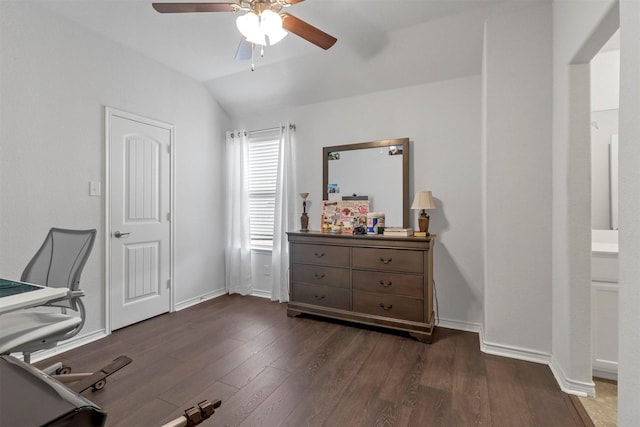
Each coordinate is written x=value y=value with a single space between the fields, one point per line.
x=262 y=170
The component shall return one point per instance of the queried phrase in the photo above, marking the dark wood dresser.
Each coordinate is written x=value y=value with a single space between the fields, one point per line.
x=375 y=280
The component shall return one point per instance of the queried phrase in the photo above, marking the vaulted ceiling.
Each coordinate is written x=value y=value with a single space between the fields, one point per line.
x=382 y=44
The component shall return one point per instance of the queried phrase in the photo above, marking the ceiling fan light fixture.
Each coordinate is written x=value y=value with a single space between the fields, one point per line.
x=257 y=38
x=271 y=25
x=276 y=35
x=256 y=28
x=248 y=24
x=270 y=21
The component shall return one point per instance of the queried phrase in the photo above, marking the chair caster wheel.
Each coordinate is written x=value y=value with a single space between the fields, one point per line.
x=63 y=370
x=99 y=385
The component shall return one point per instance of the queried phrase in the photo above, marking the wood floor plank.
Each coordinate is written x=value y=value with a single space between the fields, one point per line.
x=542 y=391
x=364 y=390
x=275 y=409
x=280 y=347
x=212 y=369
x=506 y=396
x=272 y=370
x=147 y=414
x=279 y=404
x=470 y=393
x=242 y=404
x=330 y=385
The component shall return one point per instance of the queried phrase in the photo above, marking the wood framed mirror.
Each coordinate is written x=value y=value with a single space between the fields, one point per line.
x=376 y=169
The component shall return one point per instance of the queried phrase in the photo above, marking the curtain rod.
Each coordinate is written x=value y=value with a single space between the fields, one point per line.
x=291 y=127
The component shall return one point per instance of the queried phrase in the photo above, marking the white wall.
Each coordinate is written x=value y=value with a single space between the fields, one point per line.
x=517 y=309
x=629 y=317
x=605 y=81
x=580 y=30
x=442 y=121
x=55 y=80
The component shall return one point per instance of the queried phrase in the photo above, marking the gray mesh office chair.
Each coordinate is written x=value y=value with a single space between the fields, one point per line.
x=59 y=263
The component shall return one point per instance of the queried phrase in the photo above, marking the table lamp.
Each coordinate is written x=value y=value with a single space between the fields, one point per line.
x=423 y=200
x=304 y=219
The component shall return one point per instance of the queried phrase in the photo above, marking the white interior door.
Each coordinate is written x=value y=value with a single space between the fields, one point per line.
x=139 y=237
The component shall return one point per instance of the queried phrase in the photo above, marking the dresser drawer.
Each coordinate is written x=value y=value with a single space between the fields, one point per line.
x=320 y=254
x=410 y=285
x=388 y=306
x=325 y=296
x=320 y=275
x=388 y=259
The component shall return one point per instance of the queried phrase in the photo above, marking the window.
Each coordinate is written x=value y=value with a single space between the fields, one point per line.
x=262 y=174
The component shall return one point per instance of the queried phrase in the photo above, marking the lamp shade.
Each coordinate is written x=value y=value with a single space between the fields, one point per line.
x=423 y=200
x=248 y=24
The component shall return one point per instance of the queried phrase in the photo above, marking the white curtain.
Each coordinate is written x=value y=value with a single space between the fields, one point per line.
x=238 y=233
x=287 y=214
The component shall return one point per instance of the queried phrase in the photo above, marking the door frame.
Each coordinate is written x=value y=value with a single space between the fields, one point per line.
x=109 y=113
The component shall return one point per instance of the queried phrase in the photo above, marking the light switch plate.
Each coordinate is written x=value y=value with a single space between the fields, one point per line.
x=94 y=188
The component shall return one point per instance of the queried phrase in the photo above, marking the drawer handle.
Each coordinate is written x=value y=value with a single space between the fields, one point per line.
x=319 y=255
x=386 y=307
x=319 y=297
x=319 y=276
x=386 y=261
x=386 y=285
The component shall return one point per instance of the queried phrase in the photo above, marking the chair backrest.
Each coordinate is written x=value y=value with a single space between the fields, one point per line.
x=61 y=258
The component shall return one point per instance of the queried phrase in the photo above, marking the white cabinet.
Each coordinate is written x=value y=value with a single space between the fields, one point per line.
x=604 y=312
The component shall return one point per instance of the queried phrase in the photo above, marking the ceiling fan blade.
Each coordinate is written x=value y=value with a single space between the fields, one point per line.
x=195 y=7
x=307 y=31
x=244 y=50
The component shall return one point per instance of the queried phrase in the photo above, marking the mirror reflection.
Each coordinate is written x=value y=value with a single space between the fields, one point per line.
x=377 y=171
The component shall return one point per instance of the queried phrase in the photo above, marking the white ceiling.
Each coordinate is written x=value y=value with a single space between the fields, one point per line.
x=382 y=44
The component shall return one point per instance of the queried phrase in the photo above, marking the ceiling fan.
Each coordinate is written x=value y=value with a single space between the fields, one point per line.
x=264 y=24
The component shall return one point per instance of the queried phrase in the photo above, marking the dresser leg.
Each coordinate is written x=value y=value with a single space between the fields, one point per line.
x=425 y=338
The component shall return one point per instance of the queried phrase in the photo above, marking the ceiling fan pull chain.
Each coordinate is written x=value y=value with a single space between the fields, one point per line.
x=253 y=48
x=261 y=51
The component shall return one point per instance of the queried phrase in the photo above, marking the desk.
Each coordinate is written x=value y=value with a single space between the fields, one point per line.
x=16 y=295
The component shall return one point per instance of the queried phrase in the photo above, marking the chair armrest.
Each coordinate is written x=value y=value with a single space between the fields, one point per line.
x=75 y=294
x=70 y=296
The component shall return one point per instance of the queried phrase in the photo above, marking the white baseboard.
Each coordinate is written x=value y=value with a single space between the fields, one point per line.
x=605 y=369
x=67 y=345
x=261 y=294
x=458 y=325
x=513 y=352
x=578 y=388
x=602 y=365
x=197 y=300
x=607 y=375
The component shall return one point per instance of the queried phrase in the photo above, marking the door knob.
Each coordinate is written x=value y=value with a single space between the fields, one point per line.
x=118 y=234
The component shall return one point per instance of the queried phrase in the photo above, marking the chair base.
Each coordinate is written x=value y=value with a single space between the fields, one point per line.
x=80 y=382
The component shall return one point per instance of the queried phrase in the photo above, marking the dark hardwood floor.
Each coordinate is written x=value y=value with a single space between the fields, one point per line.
x=271 y=370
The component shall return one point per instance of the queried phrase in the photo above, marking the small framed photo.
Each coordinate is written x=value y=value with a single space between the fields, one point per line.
x=395 y=150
